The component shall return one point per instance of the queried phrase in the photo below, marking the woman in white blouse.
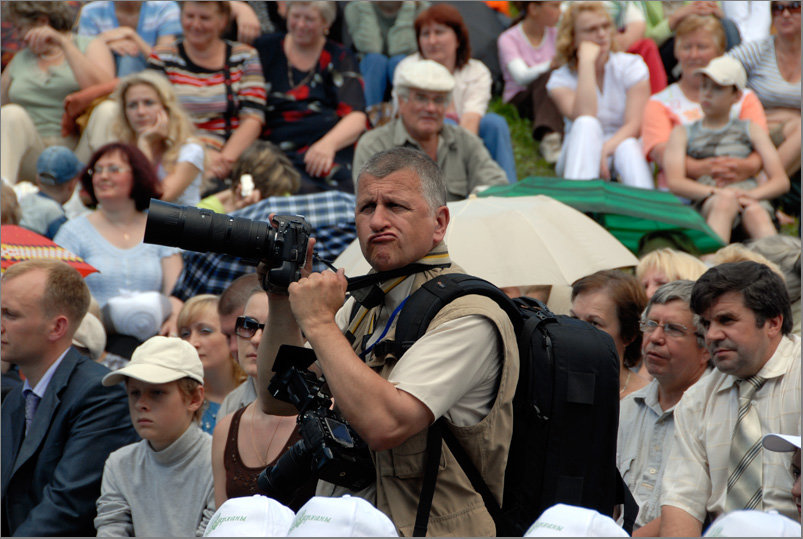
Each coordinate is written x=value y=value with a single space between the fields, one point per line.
x=602 y=95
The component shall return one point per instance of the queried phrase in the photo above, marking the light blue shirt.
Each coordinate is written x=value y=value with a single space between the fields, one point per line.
x=41 y=386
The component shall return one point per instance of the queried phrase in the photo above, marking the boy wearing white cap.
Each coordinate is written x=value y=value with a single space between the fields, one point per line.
x=161 y=486
x=723 y=202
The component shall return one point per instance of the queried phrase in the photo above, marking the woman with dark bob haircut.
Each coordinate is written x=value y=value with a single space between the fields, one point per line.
x=442 y=36
x=120 y=181
x=612 y=300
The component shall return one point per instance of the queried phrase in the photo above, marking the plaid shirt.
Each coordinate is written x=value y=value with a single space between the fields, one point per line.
x=330 y=214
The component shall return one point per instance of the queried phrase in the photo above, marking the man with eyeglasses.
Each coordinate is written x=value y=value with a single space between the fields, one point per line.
x=675 y=356
x=716 y=463
x=424 y=92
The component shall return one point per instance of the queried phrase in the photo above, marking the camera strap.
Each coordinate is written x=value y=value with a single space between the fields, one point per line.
x=364 y=288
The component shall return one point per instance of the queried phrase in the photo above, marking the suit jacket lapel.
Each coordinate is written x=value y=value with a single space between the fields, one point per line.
x=47 y=407
x=13 y=430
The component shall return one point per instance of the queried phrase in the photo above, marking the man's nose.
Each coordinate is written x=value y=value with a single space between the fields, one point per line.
x=379 y=218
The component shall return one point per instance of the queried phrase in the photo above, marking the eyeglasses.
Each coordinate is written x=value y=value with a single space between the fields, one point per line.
x=778 y=9
x=111 y=169
x=670 y=330
x=424 y=99
x=246 y=327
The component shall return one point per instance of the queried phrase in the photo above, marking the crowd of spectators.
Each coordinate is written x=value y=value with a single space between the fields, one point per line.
x=256 y=109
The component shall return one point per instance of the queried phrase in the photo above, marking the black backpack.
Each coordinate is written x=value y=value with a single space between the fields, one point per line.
x=566 y=411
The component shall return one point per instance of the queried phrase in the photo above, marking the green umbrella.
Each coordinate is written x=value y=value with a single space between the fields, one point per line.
x=626 y=212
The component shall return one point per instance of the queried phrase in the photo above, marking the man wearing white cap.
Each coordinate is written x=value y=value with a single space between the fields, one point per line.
x=424 y=89
x=162 y=485
x=716 y=463
x=676 y=357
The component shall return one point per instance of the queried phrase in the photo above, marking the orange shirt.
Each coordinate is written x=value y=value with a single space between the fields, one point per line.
x=670 y=107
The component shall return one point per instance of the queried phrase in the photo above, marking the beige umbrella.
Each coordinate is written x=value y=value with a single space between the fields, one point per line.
x=520 y=241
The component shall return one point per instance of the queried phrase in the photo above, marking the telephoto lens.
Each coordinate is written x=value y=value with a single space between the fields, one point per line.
x=203 y=230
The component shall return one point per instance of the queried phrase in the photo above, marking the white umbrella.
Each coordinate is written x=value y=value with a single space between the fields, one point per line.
x=520 y=241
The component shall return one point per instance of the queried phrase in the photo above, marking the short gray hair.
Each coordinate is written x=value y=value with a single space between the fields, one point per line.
x=327 y=10
x=679 y=290
x=384 y=163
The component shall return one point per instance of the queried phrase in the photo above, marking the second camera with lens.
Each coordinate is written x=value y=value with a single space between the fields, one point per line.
x=329 y=448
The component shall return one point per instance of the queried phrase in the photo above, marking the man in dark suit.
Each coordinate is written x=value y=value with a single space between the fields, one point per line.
x=59 y=426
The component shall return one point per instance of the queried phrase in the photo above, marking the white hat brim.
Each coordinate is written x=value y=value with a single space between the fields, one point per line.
x=781 y=443
x=148 y=373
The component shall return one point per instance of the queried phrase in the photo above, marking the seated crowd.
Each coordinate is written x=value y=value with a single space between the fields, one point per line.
x=138 y=387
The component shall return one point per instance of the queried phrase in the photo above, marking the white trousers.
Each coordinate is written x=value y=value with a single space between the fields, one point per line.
x=582 y=151
x=21 y=144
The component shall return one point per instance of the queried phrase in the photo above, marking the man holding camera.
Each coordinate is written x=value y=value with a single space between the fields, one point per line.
x=465 y=368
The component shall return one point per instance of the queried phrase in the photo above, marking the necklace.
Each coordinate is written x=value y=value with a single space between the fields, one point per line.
x=263 y=460
x=627 y=381
x=303 y=81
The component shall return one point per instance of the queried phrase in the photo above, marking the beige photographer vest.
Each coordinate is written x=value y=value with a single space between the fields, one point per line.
x=457 y=510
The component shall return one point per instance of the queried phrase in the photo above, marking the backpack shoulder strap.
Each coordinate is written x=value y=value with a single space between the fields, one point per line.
x=423 y=304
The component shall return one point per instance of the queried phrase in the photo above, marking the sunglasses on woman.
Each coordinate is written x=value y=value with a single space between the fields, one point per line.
x=246 y=327
x=778 y=9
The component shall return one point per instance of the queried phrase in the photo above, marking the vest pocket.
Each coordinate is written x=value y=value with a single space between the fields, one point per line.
x=407 y=460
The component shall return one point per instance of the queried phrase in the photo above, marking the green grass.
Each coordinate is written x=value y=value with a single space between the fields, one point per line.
x=529 y=161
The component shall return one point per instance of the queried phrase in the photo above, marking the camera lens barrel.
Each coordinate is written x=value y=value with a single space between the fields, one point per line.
x=203 y=230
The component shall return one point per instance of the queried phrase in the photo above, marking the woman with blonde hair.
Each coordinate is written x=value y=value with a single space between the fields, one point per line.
x=665 y=265
x=601 y=94
x=151 y=118
x=198 y=323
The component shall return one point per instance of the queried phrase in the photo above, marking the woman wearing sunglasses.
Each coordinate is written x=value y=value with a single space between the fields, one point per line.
x=773 y=73
x=248 y=440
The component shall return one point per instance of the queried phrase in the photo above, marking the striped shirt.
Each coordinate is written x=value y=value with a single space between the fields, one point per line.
x=202 y=91
x=696 y=475
x=763 y=76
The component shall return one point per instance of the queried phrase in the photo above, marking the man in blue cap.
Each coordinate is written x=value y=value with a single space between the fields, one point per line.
x=56 y=177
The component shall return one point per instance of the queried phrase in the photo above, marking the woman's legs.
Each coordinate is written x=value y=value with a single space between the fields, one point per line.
x=495 y=133
x=629 y=162
x=582 y=150
x=20 y=144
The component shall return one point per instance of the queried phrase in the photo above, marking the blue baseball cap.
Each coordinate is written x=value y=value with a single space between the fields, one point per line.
x=57 y=165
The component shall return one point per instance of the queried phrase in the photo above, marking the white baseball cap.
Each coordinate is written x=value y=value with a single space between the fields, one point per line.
x=725 y=71
x=563 y=520
x=346 y=516
x=426 y=75
x=250 y=516
x=781 y=443
x=160 y=360
x=752 y=523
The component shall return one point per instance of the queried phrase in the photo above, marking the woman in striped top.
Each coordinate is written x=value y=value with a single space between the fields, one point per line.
x=773 y=72
x=218 y=82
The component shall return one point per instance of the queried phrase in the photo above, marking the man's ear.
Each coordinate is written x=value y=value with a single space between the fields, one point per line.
x=442 y=217
x=58 y=328
x=774 y=325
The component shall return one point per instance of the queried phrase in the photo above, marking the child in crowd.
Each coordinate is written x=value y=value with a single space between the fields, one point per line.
x=717 y=134
x=161 y=486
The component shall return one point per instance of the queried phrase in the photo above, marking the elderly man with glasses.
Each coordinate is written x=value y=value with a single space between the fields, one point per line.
x=676 y=357
x=423 y=92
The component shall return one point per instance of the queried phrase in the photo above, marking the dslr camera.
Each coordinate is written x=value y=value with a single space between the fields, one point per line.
x=284 y=248
x=329 y=448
